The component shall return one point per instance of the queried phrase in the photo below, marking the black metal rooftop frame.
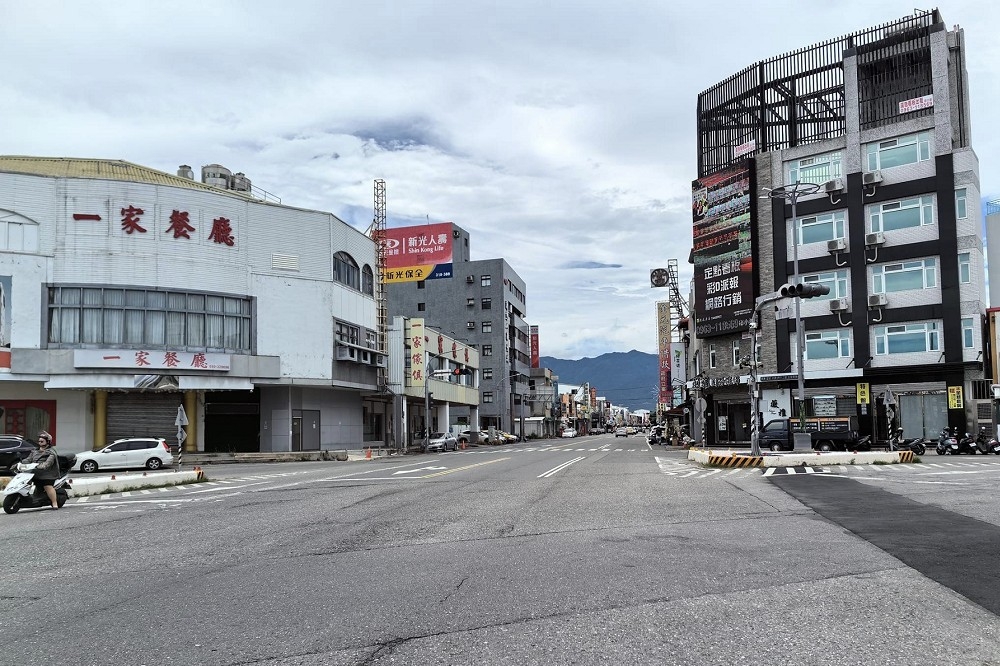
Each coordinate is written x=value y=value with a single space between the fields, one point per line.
x=796 y=98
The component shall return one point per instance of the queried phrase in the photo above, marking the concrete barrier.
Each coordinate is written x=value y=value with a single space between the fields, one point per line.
x=814 y=459
x=116 y=483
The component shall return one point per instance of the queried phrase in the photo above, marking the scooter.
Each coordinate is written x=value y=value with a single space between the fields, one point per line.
x=916 y=444
x=967 y=444
x=986 y=443
x=947 y=443
x=22 y=493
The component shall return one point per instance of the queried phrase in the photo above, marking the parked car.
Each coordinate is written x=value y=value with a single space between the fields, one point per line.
x=442 y=441
x=629 y=430
x=507 y=437
x=621 y=432
x=569 y=432
x=469 y=439
x=131 y=453
x=15 y=448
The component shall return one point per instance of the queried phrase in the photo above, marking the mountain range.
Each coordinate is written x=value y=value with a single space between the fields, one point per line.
x=626 y=379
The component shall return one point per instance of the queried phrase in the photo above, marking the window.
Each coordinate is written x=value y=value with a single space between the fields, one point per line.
x=828 y=344
x=422 y=284
x=485 y=281
x=487 y=396
x=348 y=333
x=897 y=152
x=368 y=281
x=904 y=214
x=421 y=307
x=470 y=302
x=967 y=337
x=961 y=208
x=371 y=339
x=487 y=350
x=345 y=270
x=18 y=236
x=149 y=318
x=904 y=276
x=964 y=267
x=816 y=169
x=487 y=373
x=906 y=338
x=487 y=303
x=821 y=228
x=711 y=356
x=487 y=327
x=736 y=353
x=836 y=281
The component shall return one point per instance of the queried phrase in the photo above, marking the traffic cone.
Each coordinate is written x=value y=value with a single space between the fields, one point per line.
x=368 y=454
x=463 y=444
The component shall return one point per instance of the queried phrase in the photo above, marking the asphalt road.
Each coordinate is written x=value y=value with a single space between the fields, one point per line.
x=584 y=551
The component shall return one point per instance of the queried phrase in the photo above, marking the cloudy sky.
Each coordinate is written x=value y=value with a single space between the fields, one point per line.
x=561 y=134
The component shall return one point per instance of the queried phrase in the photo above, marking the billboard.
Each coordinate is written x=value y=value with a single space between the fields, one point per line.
x=418 y=253
x=534 y=346
x=663 y=347
x=723 y=251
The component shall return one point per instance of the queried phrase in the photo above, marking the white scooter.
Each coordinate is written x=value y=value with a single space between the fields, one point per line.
x=22 y=493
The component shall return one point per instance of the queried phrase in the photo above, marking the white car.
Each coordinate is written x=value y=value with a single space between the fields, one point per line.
x=569 y=432
x=132 y=453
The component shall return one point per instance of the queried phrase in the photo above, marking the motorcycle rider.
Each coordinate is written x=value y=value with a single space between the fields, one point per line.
x=48 y=466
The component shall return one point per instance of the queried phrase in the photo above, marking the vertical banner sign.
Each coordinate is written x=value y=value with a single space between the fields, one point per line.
x=666 y=396
x=534 y=346
x=678 y=369
x=418 y=253
x=5 y=285
x=415 y=336
x=955 y=398
x=723 y=251
x=863 y=393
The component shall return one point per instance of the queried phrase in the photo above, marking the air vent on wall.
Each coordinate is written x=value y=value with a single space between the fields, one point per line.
x=285 y=262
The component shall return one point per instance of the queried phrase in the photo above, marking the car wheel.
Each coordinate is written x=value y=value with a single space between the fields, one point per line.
x=154 y=463
x=88 y=466
x=11 y=503
x=775 y=446
x=825 y=446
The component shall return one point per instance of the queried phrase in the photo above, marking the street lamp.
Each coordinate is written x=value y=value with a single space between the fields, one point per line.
x=791 y=193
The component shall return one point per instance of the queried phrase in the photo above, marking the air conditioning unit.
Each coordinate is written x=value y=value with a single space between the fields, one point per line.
x=871 y=177
x=470 y=279
x=471 y=325
x=835 y=185
x=346 y=353
x=836 y=245
x=470 y=302
x=877 y=238
x=380 y=360
x=877 y=300
x=839 y=305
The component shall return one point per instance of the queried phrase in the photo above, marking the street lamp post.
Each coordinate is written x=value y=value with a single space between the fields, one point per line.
x=791 y=193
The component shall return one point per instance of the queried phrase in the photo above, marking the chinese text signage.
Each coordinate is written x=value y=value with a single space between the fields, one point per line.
x=417 y=350
x=134 y=220
x=150 y=359
x=418 y=253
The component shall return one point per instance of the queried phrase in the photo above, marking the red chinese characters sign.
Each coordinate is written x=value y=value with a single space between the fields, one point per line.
x=418 y=253
x=133 y=220
x=417 y=350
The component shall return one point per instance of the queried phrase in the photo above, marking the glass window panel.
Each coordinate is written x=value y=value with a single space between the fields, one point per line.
x=92 y=297
x=245 y=344
x=135 y=298
x=69 y=296
x=156 y=299
x=965 y=268
x=155 y=332
x=175 y=329
x=176 y=301
x=195 y=331
x=898 y=156
x=232 y=333
x=213 y=304
x=822 y=348
x=902 y=218
x=233 y=306
x=967 y=340
x=213 y=331
x=92 y=321
x=907 y=342
x=134 y=327
x=196 y=302
x=904 y=280
x=114 y=297
x=960 y=204
x=54 y=336
x=114 y=326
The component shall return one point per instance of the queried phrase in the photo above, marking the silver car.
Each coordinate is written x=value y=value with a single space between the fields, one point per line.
x=442 y=441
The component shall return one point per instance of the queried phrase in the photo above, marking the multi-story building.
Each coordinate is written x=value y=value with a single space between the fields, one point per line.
x=878 y=120
x=130 y=293
x=483 y=304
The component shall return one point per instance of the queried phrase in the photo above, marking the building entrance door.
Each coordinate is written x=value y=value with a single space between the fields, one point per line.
x=923 y=415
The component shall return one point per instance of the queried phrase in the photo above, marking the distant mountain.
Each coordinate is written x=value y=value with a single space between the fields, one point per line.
x=628 y=379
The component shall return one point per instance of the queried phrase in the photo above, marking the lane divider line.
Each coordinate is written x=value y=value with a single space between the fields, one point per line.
x=459 y=469
x=559 y=468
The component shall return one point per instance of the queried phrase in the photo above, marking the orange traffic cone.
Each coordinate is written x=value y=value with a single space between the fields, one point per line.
x=368 y=454
x=463 y=444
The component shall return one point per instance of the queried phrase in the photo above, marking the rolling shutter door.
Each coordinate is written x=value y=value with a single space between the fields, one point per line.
x=142 y=415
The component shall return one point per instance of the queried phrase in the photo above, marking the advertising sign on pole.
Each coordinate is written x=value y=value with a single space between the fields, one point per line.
x=418 y=253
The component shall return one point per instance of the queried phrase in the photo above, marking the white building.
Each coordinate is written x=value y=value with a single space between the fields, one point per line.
x=129 y=292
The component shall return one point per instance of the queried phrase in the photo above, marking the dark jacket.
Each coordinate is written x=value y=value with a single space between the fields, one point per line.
x=48 y=464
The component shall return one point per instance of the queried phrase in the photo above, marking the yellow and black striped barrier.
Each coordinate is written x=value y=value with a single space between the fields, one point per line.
x=905 y=456
x=736 y=461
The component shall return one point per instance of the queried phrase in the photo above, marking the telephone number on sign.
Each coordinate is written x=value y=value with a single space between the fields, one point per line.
x=723 y=326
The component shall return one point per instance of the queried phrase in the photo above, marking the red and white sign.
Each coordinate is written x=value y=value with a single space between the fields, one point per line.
x=745 y=148
x=150 y=359
x=534 y=346
x=908 y=105
x=418 y=253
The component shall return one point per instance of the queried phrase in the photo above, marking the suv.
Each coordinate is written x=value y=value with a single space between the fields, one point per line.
x=15 y=448
x=134 y=452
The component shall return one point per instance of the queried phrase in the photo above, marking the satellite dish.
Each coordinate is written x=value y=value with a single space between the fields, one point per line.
x=658 y=277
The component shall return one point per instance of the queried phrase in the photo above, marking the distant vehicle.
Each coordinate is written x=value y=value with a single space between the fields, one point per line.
x=506 y=436
x=569 y=432
x=629 y=430
x=621 y=432
x=442 y=441
x=132 y=453
x=469 y=439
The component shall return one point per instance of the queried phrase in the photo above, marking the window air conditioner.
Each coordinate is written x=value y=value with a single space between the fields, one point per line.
x=839 y=305
x=871 y=177
x=877 y=300
x=877 y=238
x=836 y=245
x=835 y=185
x=346 y=353
x=471 y=325
x=471 y=302
x=470 y=279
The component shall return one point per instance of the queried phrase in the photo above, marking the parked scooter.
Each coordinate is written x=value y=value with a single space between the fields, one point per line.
x=947 y=442
x=23 y=493
x=986 y=443
x=916 y=444
x=967 y=444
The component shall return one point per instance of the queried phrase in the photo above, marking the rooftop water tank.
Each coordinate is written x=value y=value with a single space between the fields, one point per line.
x=216 y=175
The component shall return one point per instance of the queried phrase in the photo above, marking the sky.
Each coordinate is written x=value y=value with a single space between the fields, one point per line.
x=561 y=135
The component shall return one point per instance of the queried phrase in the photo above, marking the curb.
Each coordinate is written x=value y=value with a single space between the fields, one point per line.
x=117 y=483
x=816 y=458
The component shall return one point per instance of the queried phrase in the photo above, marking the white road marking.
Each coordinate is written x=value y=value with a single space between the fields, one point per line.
x=559 y=468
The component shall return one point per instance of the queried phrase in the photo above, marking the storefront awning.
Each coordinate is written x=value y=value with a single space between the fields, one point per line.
x=126 y=382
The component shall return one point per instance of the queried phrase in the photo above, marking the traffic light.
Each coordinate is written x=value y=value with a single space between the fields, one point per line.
x=457 y=372
x=804 y=290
